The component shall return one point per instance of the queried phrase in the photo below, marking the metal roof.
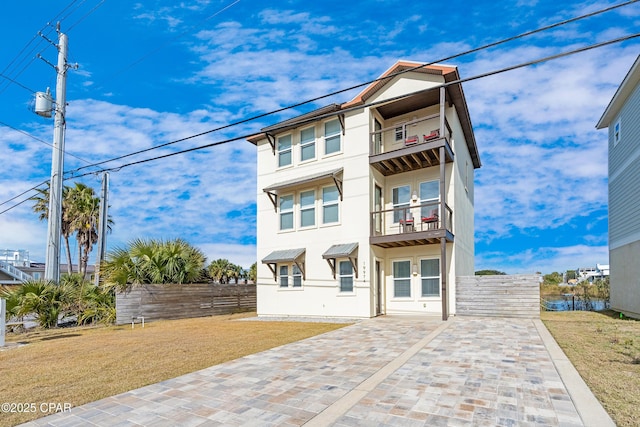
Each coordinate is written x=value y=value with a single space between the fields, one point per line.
x=287 y=255
x=304 y=180
x=343 y=250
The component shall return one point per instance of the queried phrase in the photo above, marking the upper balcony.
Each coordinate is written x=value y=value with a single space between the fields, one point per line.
x=422 y=224
x=410 y=146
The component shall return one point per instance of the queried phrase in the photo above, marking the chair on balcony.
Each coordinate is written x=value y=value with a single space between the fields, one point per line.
x=431 y=220
x=433 y=135
x=410 y=140
x=406 y=224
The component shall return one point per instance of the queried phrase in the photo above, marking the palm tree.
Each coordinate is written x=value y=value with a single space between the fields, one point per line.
x=83 y=211
x=41 y=207
x=46 y=300
x=220 y=270
x=152 y=262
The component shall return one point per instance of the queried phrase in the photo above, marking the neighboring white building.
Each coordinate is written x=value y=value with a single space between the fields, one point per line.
x=366 y=208
x=12 y=261
x=599 y=272
x=622 y=118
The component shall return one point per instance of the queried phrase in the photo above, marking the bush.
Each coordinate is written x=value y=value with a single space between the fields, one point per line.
x=49 y=302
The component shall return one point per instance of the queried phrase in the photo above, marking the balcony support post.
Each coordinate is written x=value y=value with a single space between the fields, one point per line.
x=443 y=275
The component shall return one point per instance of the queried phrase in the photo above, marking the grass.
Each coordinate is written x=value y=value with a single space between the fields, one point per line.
x=606 y=352
x=79 y=365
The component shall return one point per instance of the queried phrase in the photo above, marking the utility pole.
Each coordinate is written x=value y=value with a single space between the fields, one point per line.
x=103 y=219
x=52 y=266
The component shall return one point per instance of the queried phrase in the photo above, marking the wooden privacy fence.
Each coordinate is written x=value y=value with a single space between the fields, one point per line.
x=498 y=296
x=155 y=302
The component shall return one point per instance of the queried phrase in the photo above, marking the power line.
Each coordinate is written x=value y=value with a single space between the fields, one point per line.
x=289 y=107
x=24 y=49
x=320 y=117
x=545 y=59
x=42 y=141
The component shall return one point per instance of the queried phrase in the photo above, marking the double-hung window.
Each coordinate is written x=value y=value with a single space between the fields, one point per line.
x=308 y=208
x=401 y=197
x=297 y=276
x=332 y=137
x=402 y=279
x=330 y=207
x=284 y=276
x=286 y=212
x=284 y=151
x=307 y=144
x=346 y=276
x=616 y=133
x=429 y=196
x=430 y=275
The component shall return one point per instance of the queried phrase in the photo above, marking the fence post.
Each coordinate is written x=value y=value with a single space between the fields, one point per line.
x=3 y=326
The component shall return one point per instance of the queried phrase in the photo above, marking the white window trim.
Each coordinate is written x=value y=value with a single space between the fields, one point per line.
x=439 y=277
x=292 y=211
x=394 y=206
x=278 y=152
x=402 y=132
x=393 y=280
x=306 y=144
x=324 y=139
x=617 y=139
x=308 y=207
x=339 y=276
x=336 y=202
x=290 y=278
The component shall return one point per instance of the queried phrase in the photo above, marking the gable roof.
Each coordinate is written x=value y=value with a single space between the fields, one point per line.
x=454 y=91
x=630 y=82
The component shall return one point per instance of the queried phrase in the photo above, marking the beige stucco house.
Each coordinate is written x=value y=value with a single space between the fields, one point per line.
x=366 y=208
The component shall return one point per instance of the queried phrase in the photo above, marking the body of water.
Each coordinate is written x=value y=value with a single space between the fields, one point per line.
x=570 y=303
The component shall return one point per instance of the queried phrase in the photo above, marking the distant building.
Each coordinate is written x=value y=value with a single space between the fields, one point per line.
x=12 y=261
x=590 y=274
x=622 y=118
x=16 y=267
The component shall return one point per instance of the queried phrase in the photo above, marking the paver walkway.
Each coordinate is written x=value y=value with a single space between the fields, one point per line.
x=388 y=371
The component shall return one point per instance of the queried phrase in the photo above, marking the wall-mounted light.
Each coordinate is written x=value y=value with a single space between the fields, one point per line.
x=414 y=196
x=415 y=269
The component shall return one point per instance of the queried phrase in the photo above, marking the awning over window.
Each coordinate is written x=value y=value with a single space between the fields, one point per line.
x=295 y=256
x=285 y=186
x=343 y=250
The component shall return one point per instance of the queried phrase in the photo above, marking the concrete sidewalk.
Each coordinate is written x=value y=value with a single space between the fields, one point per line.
x=387 y=371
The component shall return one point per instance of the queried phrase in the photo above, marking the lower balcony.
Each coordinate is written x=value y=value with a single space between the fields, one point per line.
x=422 y=224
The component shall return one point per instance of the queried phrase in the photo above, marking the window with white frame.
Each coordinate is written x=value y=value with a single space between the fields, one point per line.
x=346 y=276
x=308 y=208
x=399 y=133
x=284 y=151
x=307 y=144
x=402 y=279
x=286 y=212
x=332 y=143
x=429 y=196
x=400 y=197
x=616 y=133
x=297 y=276
x=330 y=206
x=284 y=276
x=430 y=276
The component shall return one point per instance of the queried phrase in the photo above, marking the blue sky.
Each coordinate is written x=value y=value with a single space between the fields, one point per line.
x=151 y=72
